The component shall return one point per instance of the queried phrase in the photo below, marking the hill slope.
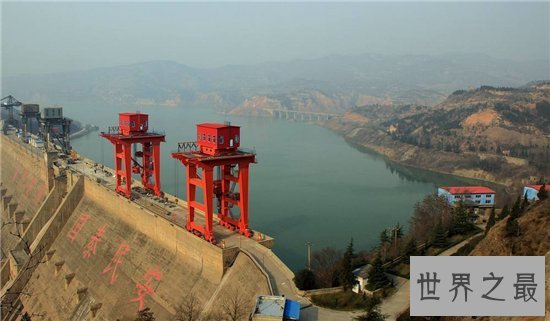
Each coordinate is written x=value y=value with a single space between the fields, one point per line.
x=534 y=240
x=495 y=134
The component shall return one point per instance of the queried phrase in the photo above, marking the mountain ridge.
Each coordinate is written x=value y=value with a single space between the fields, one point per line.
x=422 y=79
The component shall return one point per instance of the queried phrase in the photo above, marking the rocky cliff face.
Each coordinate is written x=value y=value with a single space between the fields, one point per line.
x=307 y=101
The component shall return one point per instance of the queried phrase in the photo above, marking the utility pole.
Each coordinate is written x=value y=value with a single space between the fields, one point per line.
x=308 y=244
x=395 y=230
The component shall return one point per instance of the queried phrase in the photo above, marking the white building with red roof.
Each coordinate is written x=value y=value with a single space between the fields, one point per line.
x=474 y=196
x=531 y=191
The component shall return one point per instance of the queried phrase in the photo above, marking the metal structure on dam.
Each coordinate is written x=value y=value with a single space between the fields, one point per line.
x=74 y=248
x=217 y=150
x=133 y=130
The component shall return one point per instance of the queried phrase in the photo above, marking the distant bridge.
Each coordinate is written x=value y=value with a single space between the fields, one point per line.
x=300 y=115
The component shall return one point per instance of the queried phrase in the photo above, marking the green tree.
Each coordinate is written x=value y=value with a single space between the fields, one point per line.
x=505 y=212
x=491 y=222
x=305 y=280
x=384 y=237
x=516 y=208
x=410 y=250
x=346 y=271
x=377 y=278
x=524 y=203
x=461 y=220
x=145 y=315
x=26 y=317
x=397 y=233
x=512 y=226
x=543 y=193
x=372 y=311
x=439 y=238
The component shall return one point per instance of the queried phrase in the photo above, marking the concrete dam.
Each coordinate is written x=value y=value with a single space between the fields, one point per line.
x=74 y=249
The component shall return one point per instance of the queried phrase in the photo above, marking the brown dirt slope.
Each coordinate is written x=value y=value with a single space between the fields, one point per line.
x=534 y=240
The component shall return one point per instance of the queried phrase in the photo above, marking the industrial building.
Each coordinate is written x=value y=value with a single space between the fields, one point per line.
x=470 y=196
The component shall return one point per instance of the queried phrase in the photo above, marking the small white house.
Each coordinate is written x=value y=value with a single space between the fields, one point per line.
x=531 y=191
x=361 y=276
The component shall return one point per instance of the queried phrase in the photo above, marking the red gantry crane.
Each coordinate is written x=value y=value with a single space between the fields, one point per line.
x=216 y=165
x=133 y=129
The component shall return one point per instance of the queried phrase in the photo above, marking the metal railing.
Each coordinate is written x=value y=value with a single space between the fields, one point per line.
x=113 y=130
x=187 y=146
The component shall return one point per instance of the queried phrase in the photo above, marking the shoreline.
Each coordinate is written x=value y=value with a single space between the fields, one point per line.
x=386 y=153
x=369 y=148
x=88 y=129
x=374 y=149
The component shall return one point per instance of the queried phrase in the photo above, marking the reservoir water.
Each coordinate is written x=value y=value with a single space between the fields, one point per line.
x=309 y=185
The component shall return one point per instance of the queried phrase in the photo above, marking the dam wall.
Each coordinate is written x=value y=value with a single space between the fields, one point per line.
x=173 y=238
x=24 y=180
x=24 y=172
x=44 y=213
x=24 y=185
x=244 y=277
x=38 y=250
x=87 y=253
x=138 y=260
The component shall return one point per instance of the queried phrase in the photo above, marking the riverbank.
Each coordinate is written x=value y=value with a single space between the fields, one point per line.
x=84 y=131
x=368 y=138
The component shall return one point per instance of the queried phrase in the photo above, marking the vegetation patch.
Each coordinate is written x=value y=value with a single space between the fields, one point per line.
x=468 y=247
x=347 y=300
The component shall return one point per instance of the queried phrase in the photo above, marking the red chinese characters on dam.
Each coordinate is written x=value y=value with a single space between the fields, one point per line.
x=78 y=226
x=91 y=246
x=123 y=248
x=24 y=176
x=32 y=183
x=16 y=174
x=146 y=288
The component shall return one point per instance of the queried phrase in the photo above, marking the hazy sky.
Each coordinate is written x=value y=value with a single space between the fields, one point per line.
x=62 y=36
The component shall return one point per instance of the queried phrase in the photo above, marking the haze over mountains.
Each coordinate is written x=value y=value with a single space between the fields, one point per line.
x=334 y=83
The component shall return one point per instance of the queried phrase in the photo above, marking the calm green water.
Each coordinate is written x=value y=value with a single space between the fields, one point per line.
x=308 y=185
